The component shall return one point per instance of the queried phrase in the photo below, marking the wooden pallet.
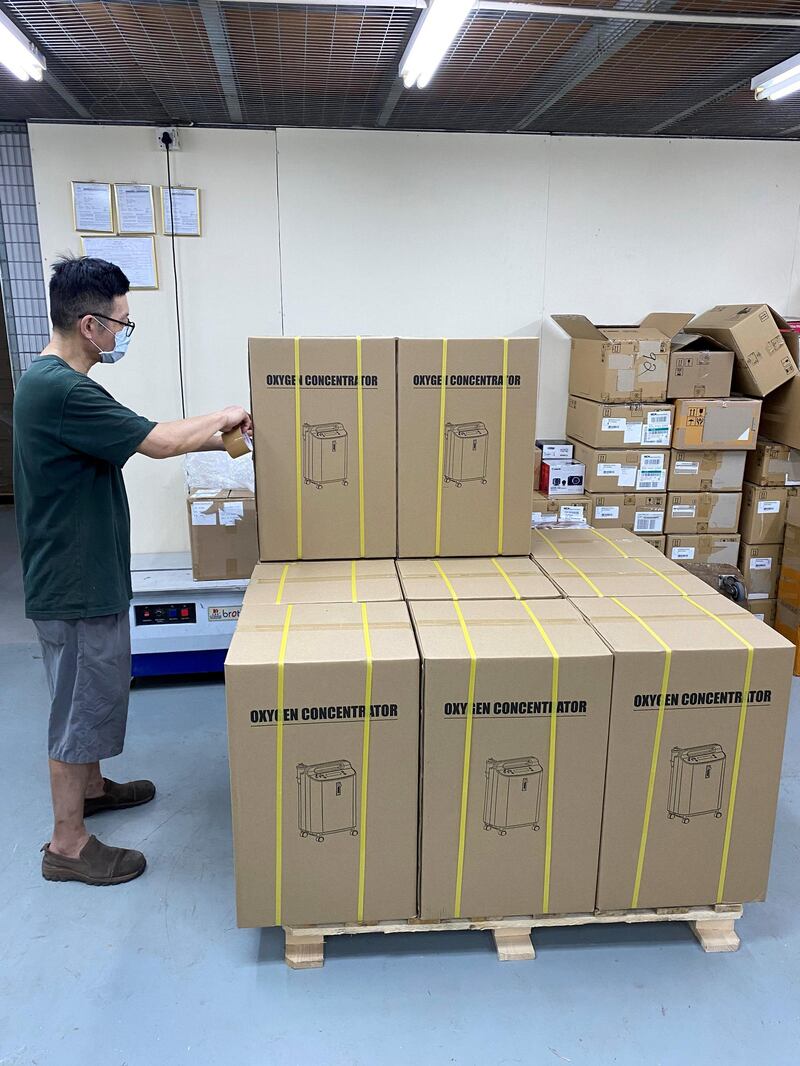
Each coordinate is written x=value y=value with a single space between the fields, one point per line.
x=713 y=927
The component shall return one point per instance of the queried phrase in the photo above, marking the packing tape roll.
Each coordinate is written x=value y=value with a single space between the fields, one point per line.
x=237 y=443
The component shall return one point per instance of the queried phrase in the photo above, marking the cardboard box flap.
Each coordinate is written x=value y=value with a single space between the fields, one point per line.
x=696 y=342
x=502 y=629
x=679 y=622
x=578 y=327
x=666 y=322
x=325 y=581
x=321 y=632
x=622 y=577
x=588 y=543
x=474 y=579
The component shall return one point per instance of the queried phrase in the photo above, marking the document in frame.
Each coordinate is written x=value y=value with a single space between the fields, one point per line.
x=135 y=256
x=135 y=208
x=91 y=207
x=181 y=217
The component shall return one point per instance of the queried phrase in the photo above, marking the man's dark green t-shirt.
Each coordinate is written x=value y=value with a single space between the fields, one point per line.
x=71 y=440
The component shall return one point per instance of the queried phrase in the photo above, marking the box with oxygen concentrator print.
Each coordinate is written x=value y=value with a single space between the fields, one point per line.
x=515 y=720
x=323 y=736
x=323 y=581
x=324 y=446
x=465 y=437
x=698 y=716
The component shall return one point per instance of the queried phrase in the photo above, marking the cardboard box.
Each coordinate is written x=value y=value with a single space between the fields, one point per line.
x=550 y=509
x=555 y=449
x=706 y=471
x=780 y=413
x=561 y=477
x=638 y=511
x=340 y=785
x=328 y=581
x=707 y=548
x=324 y=438
x=716 y=425
x=756 y=334
x=787 y=623
x=773 y=464
x=494 y=774
x=222 y=534
x=653 y=576
x=589 y=544
x=680 y=834
x=474 y=579
x=703 y=512
x=659 y=543
x=619 y=425
x=763 y=610
x=763 y=514
x=620 y=364
x=699 y=367
x=637 y=470
x=760 y=564
x=537 y=468
x=466 y=412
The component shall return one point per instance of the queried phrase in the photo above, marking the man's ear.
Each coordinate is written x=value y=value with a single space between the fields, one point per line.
x=85 y=326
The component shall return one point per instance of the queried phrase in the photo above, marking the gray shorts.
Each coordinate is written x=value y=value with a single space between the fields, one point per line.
x=88 y=666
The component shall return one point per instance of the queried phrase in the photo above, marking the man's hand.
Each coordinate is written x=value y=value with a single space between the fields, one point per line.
x=234 y=417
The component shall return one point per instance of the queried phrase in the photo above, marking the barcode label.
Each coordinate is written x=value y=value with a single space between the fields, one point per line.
x=613 y=425
x=538 y=517
x=633 y=432
x=682 y=467
x=651 y=480
x=788 y=481
x=683 y=553
x=657 y=429
x=648 y=521
x=606 y=512
x=769 y=506
x=651 y=462
x=761 y=564
x=684 y=510
x=608 y=469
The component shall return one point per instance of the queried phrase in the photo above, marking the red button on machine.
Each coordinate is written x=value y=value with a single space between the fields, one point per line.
x=184 y=612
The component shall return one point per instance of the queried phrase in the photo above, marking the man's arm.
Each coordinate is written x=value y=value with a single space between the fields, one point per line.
x=196 y=434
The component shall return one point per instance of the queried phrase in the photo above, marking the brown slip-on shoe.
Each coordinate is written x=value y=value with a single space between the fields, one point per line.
x=97 y=864
x=118 y=797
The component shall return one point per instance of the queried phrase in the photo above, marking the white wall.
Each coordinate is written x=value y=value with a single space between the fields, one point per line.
x=229 y=284
x=422 y=234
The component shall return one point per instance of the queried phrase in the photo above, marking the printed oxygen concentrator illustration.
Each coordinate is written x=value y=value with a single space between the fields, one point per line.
x=513 y=794
x=324 y=454
x=326 y=799
x=465 y=452
x=696 y=779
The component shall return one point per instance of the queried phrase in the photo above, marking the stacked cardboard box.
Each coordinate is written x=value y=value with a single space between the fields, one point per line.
x=559 y=496
x=787 y=604
x=619 y=419
x=222 y=534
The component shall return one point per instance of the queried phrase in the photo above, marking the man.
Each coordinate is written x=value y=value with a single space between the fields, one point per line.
x=71 y=440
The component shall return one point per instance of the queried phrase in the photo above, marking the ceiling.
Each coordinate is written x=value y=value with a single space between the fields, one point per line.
x=225 y=62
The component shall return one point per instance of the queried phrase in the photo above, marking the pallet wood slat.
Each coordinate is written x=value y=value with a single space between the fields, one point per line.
x=713 y=926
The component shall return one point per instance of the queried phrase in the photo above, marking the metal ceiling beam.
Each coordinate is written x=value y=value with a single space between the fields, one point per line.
x=597 y=46
x=214 y=23
x=712 y=98
x=391 y=102
x=69 y=99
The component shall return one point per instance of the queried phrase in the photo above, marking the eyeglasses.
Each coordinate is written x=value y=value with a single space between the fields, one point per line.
x=129 y=326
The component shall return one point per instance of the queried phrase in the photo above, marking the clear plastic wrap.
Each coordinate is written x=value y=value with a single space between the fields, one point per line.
x=216 y=470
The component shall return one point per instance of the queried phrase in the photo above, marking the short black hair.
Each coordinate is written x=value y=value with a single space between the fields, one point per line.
x=80 y=285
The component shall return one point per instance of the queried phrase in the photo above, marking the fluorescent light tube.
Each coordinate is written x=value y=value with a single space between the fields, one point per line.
x=778 y=81
x=434 y=33
x=17 y=54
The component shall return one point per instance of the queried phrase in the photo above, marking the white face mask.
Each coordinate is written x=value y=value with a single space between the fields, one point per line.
x=121 y=342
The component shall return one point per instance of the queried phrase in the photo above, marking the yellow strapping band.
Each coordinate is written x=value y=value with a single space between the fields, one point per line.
x=281 y=583
x=446 y=579
x=651 y=782
x=362 y=843
x=442 y=398
x=360 y=395
x=508 y=580
x=279 y=768
x=353 y=588
x=298 y=448
x=551 y=760
x=664 y=577
x=462 y=821
x=584 y=575
x=737 y=758
x=608 y=540
x=501 y=504
x=552 y=545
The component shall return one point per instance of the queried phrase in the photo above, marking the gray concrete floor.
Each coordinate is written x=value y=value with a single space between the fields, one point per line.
x=156 y=972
